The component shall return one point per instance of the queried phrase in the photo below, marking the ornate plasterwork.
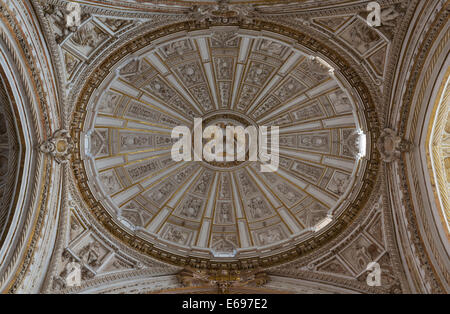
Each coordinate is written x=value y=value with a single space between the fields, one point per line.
x=391 y=146
x=59 y=146
x=372 y=236
x=420 y=240
x=84 y=241
x=270 y=84
x=223 y=280
x=78 y=50
x=27 y=70
x=223 y=11
x=376 y=50
x=153 y=250
x=78 y=54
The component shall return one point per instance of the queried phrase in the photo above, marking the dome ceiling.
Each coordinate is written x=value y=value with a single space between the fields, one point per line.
x=230 y=210
x=87 y=182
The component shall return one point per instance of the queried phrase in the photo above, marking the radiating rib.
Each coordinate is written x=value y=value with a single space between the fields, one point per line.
x=306 y=96
x=140 y=96
x=154 y=60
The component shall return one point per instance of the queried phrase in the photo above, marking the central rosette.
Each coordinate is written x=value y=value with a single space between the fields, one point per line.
x=222 y=121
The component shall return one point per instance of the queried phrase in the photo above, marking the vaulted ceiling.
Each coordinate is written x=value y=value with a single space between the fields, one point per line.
x=88 y=112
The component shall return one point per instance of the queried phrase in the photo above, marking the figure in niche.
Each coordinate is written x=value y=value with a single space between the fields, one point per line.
x=191 y=74
x=74 y=229
x=308 y=113
x=224 y=214
x=133 y=141
x=162 y=192
x=286 y=191
x=160 y=89
x=110 y=182
x=223 y=245
x=108 y=103
x=203 y=184
x=116 y=24
x=257 y=74
x=175 y=235
x=224 y=68
x=313 y=141
x=176 y=47
x=272 y=47
x=90 y=254
x=88 y=35
x=258 y=208
x=191 y=208
x=271 y=236
x=339 y=183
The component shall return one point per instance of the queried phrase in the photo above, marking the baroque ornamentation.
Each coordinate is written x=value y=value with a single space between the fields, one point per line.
x=390 y=145
x=181 y=229
x=58 y=16
x=224 y=12
x=126 y=78
x=223 y=280
x=60 y=146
